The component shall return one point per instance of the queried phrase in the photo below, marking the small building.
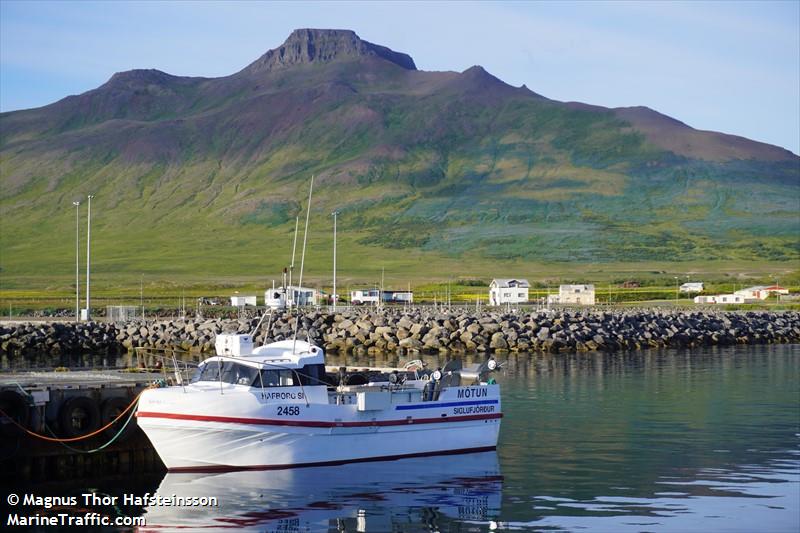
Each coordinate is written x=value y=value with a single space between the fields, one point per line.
x=631 y=284
x=280 y=297
x=692 y=286
x=777 y=289
x=508 y=291
x=364 y=296
x=720 y=299
x=573 y=295
x=730 y=299
x=761 y=292
x=241 y=301
x=398 y=297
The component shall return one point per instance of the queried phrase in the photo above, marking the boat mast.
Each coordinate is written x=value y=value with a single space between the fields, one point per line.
x=291 y=266
x=303 y=260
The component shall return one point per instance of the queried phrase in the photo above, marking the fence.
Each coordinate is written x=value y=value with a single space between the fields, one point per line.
x=122 y=313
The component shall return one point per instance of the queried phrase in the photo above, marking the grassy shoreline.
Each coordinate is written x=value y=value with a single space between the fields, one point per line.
x=658 y=284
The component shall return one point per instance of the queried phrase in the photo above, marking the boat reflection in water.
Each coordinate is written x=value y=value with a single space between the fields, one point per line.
x=420 y=493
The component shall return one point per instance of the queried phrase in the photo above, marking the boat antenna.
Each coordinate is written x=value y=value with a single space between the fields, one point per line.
x=303 y=261
x=285 y=288
x=294 y=247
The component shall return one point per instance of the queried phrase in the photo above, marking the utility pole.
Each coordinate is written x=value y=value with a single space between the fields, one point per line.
x=88 y=257
x=141 y=295
x=333 y=296
x=380 y=291
x=676 y=289
x=77 y=262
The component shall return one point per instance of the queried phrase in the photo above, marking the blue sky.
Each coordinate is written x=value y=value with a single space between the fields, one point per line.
x=724 y=66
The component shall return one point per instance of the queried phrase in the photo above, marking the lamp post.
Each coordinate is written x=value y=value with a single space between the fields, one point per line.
x=88 y=255
x=676 y=289
x=77 y=262
x=333 y=296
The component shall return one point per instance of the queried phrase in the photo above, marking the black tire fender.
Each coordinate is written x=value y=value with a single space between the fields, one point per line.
x=110 y=410
x=78 y=416
x=15 y=405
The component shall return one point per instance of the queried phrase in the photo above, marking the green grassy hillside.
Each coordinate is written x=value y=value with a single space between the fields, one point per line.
x=434 y=174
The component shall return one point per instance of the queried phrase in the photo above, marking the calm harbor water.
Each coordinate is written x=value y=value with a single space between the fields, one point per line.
x=702 y=440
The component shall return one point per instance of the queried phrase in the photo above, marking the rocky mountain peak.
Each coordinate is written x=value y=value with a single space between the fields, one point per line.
x=139 y=76
x=306 y=46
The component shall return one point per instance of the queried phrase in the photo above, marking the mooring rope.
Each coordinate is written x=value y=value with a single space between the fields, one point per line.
x=82 y=437
x=106 y=445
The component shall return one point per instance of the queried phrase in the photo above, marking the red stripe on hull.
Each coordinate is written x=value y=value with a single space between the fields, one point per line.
x=315 y=423
x=224 y=468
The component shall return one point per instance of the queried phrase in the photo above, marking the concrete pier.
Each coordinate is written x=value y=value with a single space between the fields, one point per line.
x=65 y=405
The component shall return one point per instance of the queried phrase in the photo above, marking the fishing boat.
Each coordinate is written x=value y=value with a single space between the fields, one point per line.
x=277 y=406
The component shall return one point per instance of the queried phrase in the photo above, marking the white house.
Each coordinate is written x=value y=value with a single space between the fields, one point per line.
x=720 y=299
x=508 y=291
x=280 y=297
x=692 y=286
x=241 y=301
x=364 y=296
x=761 y=292
x=573 y=295
x=730 y=299
x=401 y=297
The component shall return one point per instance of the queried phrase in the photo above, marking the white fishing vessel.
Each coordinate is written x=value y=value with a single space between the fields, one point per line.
x=275 y=406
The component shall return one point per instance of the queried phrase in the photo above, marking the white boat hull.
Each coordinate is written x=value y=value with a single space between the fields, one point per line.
x=187 y=448
x=260 y=436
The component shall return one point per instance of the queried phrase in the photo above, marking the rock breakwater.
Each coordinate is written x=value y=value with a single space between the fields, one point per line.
x=421 y=330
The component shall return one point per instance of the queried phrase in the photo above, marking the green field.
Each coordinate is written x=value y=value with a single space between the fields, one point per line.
x=459 y=282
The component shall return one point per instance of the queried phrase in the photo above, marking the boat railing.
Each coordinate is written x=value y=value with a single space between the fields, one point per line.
x=169 y=361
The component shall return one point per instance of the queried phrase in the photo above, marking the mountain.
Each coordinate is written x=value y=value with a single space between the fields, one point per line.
x=192 y=174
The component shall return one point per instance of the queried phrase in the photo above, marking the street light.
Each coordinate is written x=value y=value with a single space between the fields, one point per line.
x=88 y=255
x=335 y=215
x=77 y=262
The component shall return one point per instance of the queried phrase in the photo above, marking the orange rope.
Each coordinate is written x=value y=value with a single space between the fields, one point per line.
x=73 y=439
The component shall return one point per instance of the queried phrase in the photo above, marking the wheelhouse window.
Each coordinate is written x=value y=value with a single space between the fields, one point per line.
x=308 y=375
x=226 y=372
x=311 y=375
x=239 y=374
x=276 y=378
x=208 y=371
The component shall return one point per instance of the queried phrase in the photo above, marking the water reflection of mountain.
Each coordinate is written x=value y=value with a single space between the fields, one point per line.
x=409 y=494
